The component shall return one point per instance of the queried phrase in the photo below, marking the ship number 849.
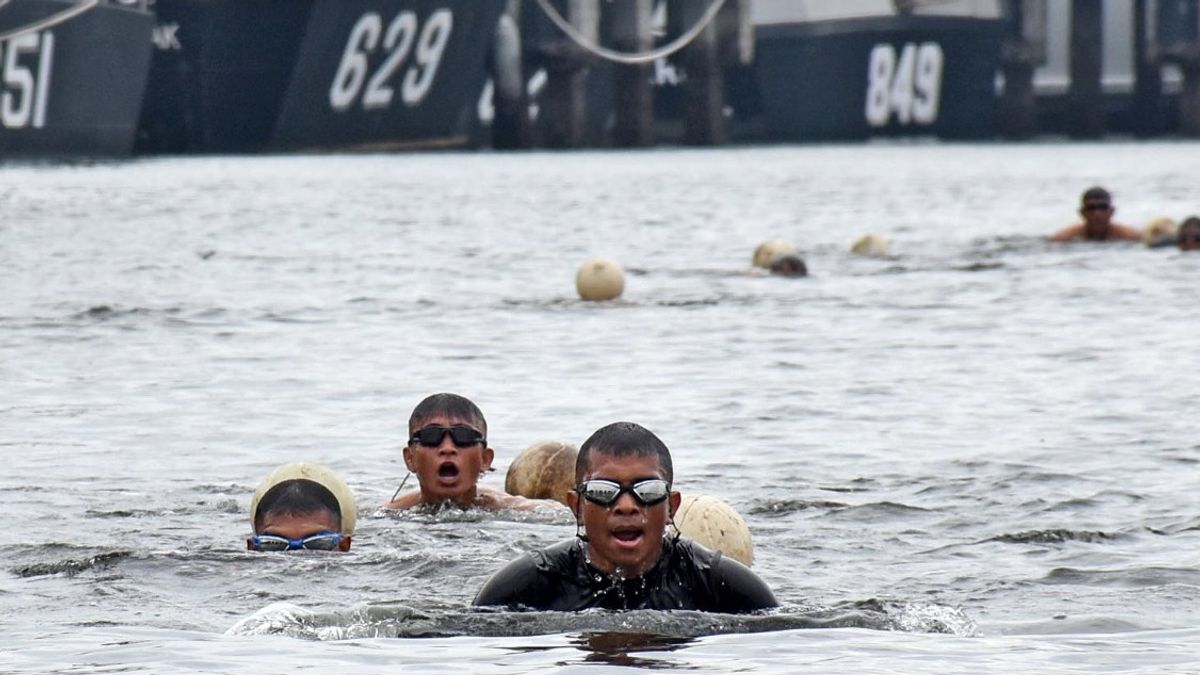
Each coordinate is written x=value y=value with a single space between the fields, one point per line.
x=402 y=38
x=909 y=87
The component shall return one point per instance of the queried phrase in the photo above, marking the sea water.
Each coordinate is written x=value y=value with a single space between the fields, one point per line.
x=977 y=454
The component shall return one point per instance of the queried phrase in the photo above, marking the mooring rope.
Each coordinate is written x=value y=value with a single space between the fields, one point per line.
x=52 y=20
x=634 y=59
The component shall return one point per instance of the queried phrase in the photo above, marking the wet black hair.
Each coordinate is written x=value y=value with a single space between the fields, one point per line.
x=624 y=439
x=450 y=405
x=789 y=266
x=1095 y=192
x=1191 y=223
x=297 y=496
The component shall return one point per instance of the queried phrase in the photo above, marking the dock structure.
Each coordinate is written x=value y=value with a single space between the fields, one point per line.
x=1086 y=96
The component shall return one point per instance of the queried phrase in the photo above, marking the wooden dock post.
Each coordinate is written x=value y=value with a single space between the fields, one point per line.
x=1178 y=24
x=1023 y=49
x=565 y=100
x=1087 y=51
x=633 y=95
x=1148 y=114
x=704 y=88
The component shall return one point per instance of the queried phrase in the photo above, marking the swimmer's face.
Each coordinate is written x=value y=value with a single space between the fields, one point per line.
x=1096 y=215
x=448 y=471
x=1189 y=238
x=299 y=526
x=625 y=537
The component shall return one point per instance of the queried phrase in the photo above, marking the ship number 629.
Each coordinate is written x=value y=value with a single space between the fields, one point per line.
x=397 y=42
x=910 y=88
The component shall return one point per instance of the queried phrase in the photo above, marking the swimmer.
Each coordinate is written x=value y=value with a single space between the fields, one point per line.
x=301 y=506
x=1097 y=211
x=1188 y=236
x=622 y=559
x=448 y=451
x=789 y=266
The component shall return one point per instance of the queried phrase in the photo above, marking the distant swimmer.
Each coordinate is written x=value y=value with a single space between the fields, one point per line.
x=448 y=451
x=622 y=558
x=1097 y=210
x=789 y=266
x=1188 y=236
x=301 y=506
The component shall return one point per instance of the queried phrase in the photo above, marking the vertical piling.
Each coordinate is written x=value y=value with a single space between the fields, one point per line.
x=1024 y=47
x=1087 y=52
x=633 y=95
x=1148 y=113
x=509 y=120
x=1179 y=43
x=565 y=98
x=704 y=88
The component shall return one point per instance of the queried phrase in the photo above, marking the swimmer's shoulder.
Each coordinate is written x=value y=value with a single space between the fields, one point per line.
x=404 y=501
x=491 y=498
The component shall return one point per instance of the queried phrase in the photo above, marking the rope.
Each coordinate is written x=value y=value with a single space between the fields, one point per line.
x=52 y=20
x=635 y=59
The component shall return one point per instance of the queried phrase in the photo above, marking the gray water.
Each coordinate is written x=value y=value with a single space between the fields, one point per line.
x=977 y=455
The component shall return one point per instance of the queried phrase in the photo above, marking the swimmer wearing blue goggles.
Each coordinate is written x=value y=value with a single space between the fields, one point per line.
x=320 y=541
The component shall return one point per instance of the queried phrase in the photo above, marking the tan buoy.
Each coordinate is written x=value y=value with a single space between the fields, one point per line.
x=768 y=251
x=1158 y=230
x=544 y=470
x=600 y=279
x=871 y=245
x=318 y=474
x=715 y=525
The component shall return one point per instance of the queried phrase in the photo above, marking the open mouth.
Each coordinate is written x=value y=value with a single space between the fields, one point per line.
x=448 y=471
x=628 y=536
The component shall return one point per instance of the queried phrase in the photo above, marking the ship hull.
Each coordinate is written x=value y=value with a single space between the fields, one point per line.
x=886 y=76
x=327 y=74
x=72 y=77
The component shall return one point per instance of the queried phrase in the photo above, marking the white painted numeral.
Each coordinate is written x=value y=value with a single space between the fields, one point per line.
x=26 y=95
x=398 y=44
x=910 y=89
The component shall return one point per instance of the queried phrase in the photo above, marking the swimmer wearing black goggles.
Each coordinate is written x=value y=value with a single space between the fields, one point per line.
x=432 y=436
x=321 y=541
x=606 y=492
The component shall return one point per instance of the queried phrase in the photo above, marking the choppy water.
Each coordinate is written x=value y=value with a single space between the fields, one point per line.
x=979 y=455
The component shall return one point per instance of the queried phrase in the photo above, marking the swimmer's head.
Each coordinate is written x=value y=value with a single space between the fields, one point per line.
x=789 y=266
x=623 y=499
x=1188 y=236
x=447 y=449
x=298 y=513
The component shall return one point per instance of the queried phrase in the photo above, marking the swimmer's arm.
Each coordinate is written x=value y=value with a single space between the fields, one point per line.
x=495 y=500
x=1126 y=232
x=741 y=590
x=1067 y=234
x=515 y=584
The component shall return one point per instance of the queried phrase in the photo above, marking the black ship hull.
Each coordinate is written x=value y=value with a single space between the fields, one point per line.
x=72 y=75
x=887 y=76
x=281 y=75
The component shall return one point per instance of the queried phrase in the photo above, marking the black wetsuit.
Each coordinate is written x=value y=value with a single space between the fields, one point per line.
x=687 y=576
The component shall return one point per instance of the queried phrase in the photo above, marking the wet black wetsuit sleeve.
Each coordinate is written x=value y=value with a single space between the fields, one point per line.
x=519 y=583
x=738 y=589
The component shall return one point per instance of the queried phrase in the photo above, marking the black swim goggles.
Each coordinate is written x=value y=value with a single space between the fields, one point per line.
x=431 y=436
x=321 y=541
x=607 y=492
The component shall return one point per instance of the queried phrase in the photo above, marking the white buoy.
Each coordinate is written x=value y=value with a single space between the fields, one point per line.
x=1159 y=229
x=768 y=251
x=544 y=470
x=871 y=245
x=317 y=473
x=715 y=525
x=600 y=279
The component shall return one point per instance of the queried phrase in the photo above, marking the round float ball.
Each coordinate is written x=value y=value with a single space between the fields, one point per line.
x=544 y=470
x=317 y=473
x=600 y=279
x=768 y=251
x=1160 y=231
x=715 y=525
x=871 y=245
x=789 y=266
